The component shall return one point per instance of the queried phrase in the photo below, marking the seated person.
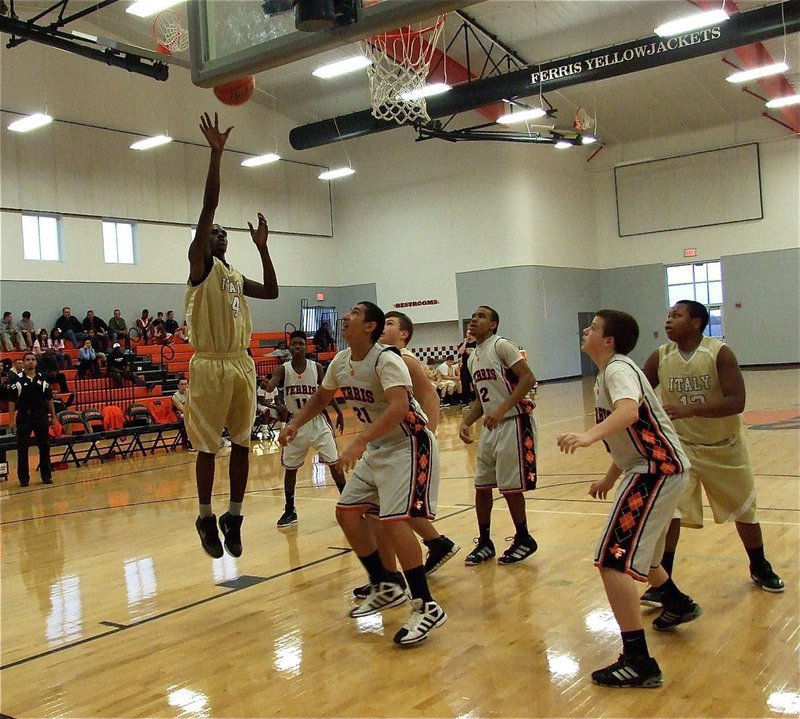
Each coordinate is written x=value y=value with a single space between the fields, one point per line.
x=174 y=330
x=181 y=397
x=10 y=335
x=57 y=343
x=87 y=360
x=323 y=339
x=449 y=371
x=70 y=327
x=119 y=367
x=27 y=329
x=143 y=326
x=280 y=352
x=443 y=386
x=93 y=322
x=118 y=329
x=97 y=345
x=159 y=331
x=47 y=365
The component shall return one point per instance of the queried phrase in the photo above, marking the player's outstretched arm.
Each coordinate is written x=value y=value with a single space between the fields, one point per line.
x=268 y=289
x=200 y=249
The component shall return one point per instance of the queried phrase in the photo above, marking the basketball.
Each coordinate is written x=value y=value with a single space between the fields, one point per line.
x=236 y=92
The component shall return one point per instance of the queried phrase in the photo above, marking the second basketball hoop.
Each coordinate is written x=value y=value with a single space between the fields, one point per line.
x=401 y=61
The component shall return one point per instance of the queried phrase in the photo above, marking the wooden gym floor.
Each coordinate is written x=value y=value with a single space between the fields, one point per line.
x=111 y=609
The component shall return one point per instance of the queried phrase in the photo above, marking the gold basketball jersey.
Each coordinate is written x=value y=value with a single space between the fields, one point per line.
x=217 y=314
x=684 y=381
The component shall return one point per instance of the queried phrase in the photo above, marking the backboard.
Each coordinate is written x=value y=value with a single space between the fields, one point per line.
x=231 y=38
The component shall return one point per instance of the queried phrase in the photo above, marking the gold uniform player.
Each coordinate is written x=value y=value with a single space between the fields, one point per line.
x=223 y=374
x=703 y=393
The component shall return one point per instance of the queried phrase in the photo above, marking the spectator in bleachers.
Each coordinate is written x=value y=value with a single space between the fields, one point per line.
x=449 y=372
x=159 y=331
x=87 y=360
x=280 y=352
x=18 y=367
x=9 y=334
x=174 y=330
x=47 y=366
x=181 y=397
x=70 y=328
x=27 y=329
x=5 y=378
x=93 y=322
x=323 y=339
x=57 y=342
x=118 y=329
x=143 y=326
x=97 y=346
x=118 y=365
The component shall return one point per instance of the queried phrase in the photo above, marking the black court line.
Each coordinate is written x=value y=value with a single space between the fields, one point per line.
x=117 y=628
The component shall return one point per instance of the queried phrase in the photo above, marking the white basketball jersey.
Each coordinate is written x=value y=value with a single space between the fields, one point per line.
x=492 y=379
x=363 y=384
x=298 y=388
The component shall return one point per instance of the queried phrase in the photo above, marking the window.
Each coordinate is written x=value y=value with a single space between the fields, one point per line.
x=118 y=242
x=700 y=281
x=40 y=238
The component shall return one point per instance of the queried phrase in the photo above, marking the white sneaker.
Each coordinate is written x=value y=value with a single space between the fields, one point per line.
x=425 y=616
x=383 y=595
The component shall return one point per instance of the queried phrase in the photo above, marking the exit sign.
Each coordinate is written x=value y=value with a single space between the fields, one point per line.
x=690 y=252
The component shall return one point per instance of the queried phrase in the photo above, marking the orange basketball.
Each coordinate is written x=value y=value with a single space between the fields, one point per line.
x=236 y=92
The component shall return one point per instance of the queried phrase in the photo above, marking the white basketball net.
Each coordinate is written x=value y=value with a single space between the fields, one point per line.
x=169 y=32
x=401 y=61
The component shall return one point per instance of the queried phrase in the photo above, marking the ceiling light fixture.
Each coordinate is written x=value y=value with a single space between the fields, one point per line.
x=588 y=139
x=522 y=116
x=146 y=8
x=338 y=172
x=341 y=67
x=562 y=144
x=755 y=73
x=260 y=160
x=696 y=21
x=784 y=101
x=436 y=88
x=31 y=122
x=150 y=142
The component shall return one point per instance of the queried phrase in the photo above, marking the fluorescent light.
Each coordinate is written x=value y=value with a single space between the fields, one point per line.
x=146 y=8
x=522 y=116
x=151 y=142
x=31 y=122
x=588 y=139
x=338 y=172
x=342 y=67
x=437 y=88
x=84 y=36
x=260 y=160
x=695 y=21
x=784 y=101
x=562 y=145
x=764 y=71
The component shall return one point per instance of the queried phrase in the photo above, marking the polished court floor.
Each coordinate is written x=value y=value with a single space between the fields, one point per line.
x=111 y=609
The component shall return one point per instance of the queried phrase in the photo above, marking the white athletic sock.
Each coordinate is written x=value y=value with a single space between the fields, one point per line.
x=235 y=508
x=205 y=510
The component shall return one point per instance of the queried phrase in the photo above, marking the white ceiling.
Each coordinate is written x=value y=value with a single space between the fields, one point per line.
x=683 y=97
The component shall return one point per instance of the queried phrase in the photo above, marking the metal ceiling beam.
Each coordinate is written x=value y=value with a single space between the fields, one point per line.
x=742 y=29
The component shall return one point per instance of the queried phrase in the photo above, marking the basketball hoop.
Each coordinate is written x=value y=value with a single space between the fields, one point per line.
x=583 y=122
x=169 y=34
x=401 y=60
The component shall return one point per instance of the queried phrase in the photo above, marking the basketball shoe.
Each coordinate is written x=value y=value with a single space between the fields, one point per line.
x=440 y=550
x=484 y=550
x=521 y=548
x=651 y=598
x=231 y=527
x=638 y=672
x=425 y=616
x=209 y=538
x=687 y=611
x=765 y=578
x=363 y=591
x=383 y=595
x=288 y=518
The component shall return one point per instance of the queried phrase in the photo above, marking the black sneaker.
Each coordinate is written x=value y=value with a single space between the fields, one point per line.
x=671 y=618
x=633 y=672
x=288 y=518
x=520 y=549
x=207 y=529
x=24 y=481
x=47 y=480
x=363 y=591
x=231 y=527
x=440 y=550
x=651 y=598
x=484 y=550
x=765 y=578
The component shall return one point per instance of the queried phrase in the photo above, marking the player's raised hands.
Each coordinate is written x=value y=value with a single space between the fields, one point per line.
x=260 y=234
x=216 y=139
